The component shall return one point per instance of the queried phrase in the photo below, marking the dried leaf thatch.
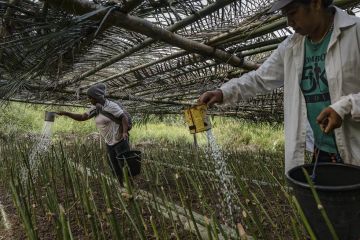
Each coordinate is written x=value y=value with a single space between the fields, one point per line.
x=156 y=55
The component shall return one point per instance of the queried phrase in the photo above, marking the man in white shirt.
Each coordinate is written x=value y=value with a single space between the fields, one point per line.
x=318 y=66
x=112 y=123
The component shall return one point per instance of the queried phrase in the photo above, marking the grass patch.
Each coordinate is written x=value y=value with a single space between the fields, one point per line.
x=230 y=133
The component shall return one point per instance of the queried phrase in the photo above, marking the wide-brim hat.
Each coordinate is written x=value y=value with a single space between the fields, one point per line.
x=279 y=5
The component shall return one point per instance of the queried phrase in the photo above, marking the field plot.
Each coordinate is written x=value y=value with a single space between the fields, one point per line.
x=179 y=195
x=158 y=58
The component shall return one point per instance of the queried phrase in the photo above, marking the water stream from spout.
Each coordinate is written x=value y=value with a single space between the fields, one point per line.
x=40 y=146
x=226 y=188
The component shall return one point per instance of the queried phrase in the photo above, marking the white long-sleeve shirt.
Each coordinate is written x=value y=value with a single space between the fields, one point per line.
x=108 y=129
x=284 y=68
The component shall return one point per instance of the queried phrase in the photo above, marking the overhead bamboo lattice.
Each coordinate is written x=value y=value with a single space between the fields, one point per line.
x=157 y=56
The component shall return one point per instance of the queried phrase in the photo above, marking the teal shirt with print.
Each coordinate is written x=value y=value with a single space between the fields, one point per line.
x=314 y=86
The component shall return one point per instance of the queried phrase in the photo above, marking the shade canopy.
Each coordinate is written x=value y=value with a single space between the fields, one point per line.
x=157 y=56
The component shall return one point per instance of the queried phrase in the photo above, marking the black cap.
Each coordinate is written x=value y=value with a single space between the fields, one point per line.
x=279 y=5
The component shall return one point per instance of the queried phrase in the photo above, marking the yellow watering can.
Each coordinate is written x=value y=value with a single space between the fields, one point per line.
x=197 y=119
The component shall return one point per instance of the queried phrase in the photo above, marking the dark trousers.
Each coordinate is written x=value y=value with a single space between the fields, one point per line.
x=115 y=161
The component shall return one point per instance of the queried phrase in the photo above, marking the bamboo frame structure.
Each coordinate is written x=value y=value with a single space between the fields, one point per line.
x=156 y=56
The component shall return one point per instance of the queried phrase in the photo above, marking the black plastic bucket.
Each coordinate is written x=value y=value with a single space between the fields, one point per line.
x=133 y=161
x=338 y=187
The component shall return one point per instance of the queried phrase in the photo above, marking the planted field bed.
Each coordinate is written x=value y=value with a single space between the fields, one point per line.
x=179 y=195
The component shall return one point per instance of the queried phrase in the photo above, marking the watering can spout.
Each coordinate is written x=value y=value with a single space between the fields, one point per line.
x=197 y=119
x=49 y=116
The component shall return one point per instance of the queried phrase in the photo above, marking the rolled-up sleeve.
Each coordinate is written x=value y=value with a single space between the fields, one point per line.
x=349 y=104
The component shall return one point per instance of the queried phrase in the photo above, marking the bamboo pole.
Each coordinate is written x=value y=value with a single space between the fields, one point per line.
x=5 y=28
x=242 y=31
x=251 y=52
x=262 y=30
x=260 y=50
x=212 y=42
x=345 y=3
x=142 y=66
x=130 y=5
x=250 y=30
x=44 y=103
x=121 y=97
x=136 y=24
x=147 y=42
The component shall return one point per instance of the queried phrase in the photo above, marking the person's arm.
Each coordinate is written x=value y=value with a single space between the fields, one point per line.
x=125 y=126
x=268 y=76
x=329 y=119
x=332 y=117
x=75 y=116
x=211 y=97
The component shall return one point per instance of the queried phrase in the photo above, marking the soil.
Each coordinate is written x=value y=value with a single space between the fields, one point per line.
x=81 y=227
x=46 y=224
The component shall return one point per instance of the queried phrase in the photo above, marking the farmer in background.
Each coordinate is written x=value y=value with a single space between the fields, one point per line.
x=319 y=68
x=112 y=123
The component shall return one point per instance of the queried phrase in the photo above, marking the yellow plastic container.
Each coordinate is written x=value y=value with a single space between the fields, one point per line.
x=197 y=119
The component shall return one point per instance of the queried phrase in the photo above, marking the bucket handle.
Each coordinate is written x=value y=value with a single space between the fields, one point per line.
x=313 y=175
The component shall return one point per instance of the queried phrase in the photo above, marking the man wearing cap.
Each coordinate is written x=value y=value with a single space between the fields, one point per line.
x=318 y=66
x=115 y=133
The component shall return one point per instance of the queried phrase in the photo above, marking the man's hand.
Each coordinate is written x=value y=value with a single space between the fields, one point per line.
x=125 y=136
x=328 y=120
x=211 y=97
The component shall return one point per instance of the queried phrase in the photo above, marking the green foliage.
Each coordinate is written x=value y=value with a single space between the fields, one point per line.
x=230 y=133
x=178 y=187
x=235 y=133
x=20 y=118
x=160 y=133
x=179 y=180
